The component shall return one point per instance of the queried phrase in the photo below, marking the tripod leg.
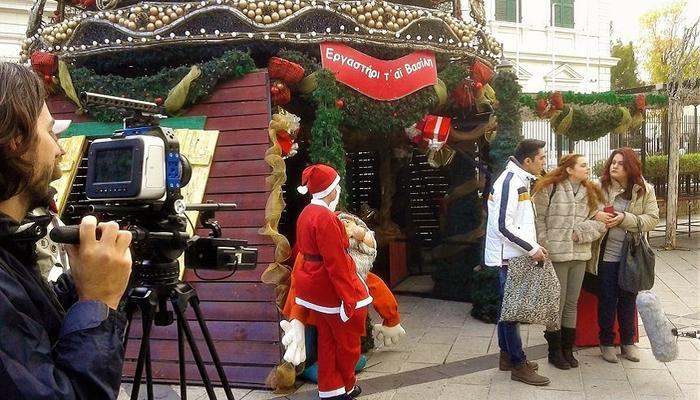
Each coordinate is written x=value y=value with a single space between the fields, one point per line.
x=194 y=302
x=144 y=352
x=149 y=373
x=181 y=359
x=180 y=313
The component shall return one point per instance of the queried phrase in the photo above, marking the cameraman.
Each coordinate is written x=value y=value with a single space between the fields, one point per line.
x=50 y=348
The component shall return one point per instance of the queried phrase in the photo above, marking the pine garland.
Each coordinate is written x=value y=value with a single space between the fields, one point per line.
x=326 y=144
x=507 y=113
x=231 y=65
x=609 y=98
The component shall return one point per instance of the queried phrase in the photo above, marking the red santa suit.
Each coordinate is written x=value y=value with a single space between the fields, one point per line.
x=327 y=284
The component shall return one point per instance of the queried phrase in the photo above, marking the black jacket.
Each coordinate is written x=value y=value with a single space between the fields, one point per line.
x=52 y=347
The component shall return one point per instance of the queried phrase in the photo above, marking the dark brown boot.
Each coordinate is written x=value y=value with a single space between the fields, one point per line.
x=525 y=374
x=555 y=357
x=568 y=337
x=504 y=363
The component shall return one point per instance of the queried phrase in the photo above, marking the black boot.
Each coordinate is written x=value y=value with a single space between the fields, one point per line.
x=568 y=337
x=554 y=348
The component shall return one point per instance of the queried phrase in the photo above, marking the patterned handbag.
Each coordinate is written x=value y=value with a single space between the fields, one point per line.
x=531 y=294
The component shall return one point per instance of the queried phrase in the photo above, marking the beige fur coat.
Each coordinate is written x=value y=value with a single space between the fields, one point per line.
x=565 y=216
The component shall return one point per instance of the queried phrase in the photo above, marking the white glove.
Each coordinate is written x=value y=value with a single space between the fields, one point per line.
x=294 y=341
x=388 y=335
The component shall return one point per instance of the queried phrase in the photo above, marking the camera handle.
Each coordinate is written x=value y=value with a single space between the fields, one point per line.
x=152 y=302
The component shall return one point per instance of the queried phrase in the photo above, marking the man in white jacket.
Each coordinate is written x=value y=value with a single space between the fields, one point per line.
x=510 y=232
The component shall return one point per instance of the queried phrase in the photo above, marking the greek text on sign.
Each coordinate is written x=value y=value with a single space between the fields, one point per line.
x=380 y=79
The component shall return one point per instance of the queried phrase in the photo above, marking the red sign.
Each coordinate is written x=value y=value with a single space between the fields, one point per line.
x=380 y=79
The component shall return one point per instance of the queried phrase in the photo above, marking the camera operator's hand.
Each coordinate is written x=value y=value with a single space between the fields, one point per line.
x=101 y=268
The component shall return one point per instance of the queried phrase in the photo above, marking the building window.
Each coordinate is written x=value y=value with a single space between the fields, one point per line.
x=563 y=13
x=506 y=11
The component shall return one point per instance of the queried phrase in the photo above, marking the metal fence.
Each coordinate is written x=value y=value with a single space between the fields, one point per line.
x=650 y=140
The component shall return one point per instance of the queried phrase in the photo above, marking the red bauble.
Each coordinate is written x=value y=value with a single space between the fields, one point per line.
x=339 y=103
x=478 y=85
x=159 y=101
x=274 y=90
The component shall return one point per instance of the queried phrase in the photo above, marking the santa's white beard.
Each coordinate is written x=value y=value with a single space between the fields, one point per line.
x=334 y=203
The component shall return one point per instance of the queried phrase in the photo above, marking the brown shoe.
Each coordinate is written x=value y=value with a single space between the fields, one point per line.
x=525 y=374
x=504 y=363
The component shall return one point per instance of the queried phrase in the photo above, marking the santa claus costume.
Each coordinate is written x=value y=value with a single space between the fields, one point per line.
x=328 y=286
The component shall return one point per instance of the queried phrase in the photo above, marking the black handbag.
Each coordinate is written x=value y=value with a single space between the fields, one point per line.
x=637 y=262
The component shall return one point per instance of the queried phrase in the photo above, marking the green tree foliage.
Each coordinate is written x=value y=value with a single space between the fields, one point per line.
x=624 y=75
x=662 y=30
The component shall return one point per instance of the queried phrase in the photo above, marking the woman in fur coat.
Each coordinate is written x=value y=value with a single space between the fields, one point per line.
x=566 y=203
x=631 y=204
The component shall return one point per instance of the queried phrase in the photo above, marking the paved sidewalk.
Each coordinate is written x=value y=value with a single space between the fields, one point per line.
x=447 y=354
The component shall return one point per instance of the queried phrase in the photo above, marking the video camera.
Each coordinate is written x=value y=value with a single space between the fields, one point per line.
x=135 y=178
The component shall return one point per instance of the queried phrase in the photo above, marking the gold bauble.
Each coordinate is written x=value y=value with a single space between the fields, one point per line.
x=267 y=19
x=275 y=16
x=132 y=25
x=153 y=11
x=252 y=6
x=165 y=19
x=361 y=19
x=273 y=5
x=379 y=25
x=375 y=14
x=158 y=24
x=72 y=24
x=288 y=4
x=152 y=18
x=258 y=11
x=258 y=18
x=251 y=14
x=69 y=31
x=243 y=4
x=151 y=27
x=296 y=7
x=282 y=14
x=173 y=16
x=371 y=23
x=353 y=11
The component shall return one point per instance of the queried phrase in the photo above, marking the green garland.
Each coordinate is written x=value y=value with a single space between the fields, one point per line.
x=590 y=127
x=609 y=98
x=231 y=65
x=508 y=114
x=326 y=144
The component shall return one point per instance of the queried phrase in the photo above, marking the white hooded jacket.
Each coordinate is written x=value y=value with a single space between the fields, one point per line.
x=510 y=231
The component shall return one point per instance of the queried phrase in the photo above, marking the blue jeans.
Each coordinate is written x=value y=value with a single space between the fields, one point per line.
x=613 y=300
x=509 y=332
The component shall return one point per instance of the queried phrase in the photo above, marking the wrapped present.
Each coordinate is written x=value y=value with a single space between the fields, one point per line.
x=285 y=70
x=436 y=130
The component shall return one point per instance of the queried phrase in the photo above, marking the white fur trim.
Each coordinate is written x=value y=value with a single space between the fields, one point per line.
x=316 y=307
x=331 y=393
x=343 y=316
x=328 y=190
x=302 y=189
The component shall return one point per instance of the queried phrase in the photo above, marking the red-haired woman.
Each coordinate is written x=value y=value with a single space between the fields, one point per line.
x=566 y=203
x=634 y=203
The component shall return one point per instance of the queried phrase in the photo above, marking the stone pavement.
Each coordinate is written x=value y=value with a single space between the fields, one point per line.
x=447 y=354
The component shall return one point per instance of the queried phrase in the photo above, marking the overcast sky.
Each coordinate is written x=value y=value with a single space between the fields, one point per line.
x=626 y=13
x=625 y=21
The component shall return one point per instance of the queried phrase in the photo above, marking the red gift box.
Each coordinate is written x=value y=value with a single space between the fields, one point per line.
x=436 y=130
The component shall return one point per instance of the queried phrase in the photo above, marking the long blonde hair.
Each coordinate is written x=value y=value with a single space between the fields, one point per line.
x=559 y=174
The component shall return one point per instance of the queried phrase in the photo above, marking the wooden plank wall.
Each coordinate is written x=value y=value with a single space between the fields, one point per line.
x=240 y=311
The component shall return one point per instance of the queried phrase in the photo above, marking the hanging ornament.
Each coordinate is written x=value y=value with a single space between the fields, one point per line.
x=45 y=64
x=339 y=104
x=556 y=101
x=478 y=85
x=159 y=101
x=281 y=94
x=285 y=70
x=285 y=126
x=435 y=130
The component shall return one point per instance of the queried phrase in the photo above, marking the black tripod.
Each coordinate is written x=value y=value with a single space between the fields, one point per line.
x=153 y=303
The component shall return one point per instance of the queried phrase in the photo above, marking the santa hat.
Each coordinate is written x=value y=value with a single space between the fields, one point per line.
x=319 y=180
